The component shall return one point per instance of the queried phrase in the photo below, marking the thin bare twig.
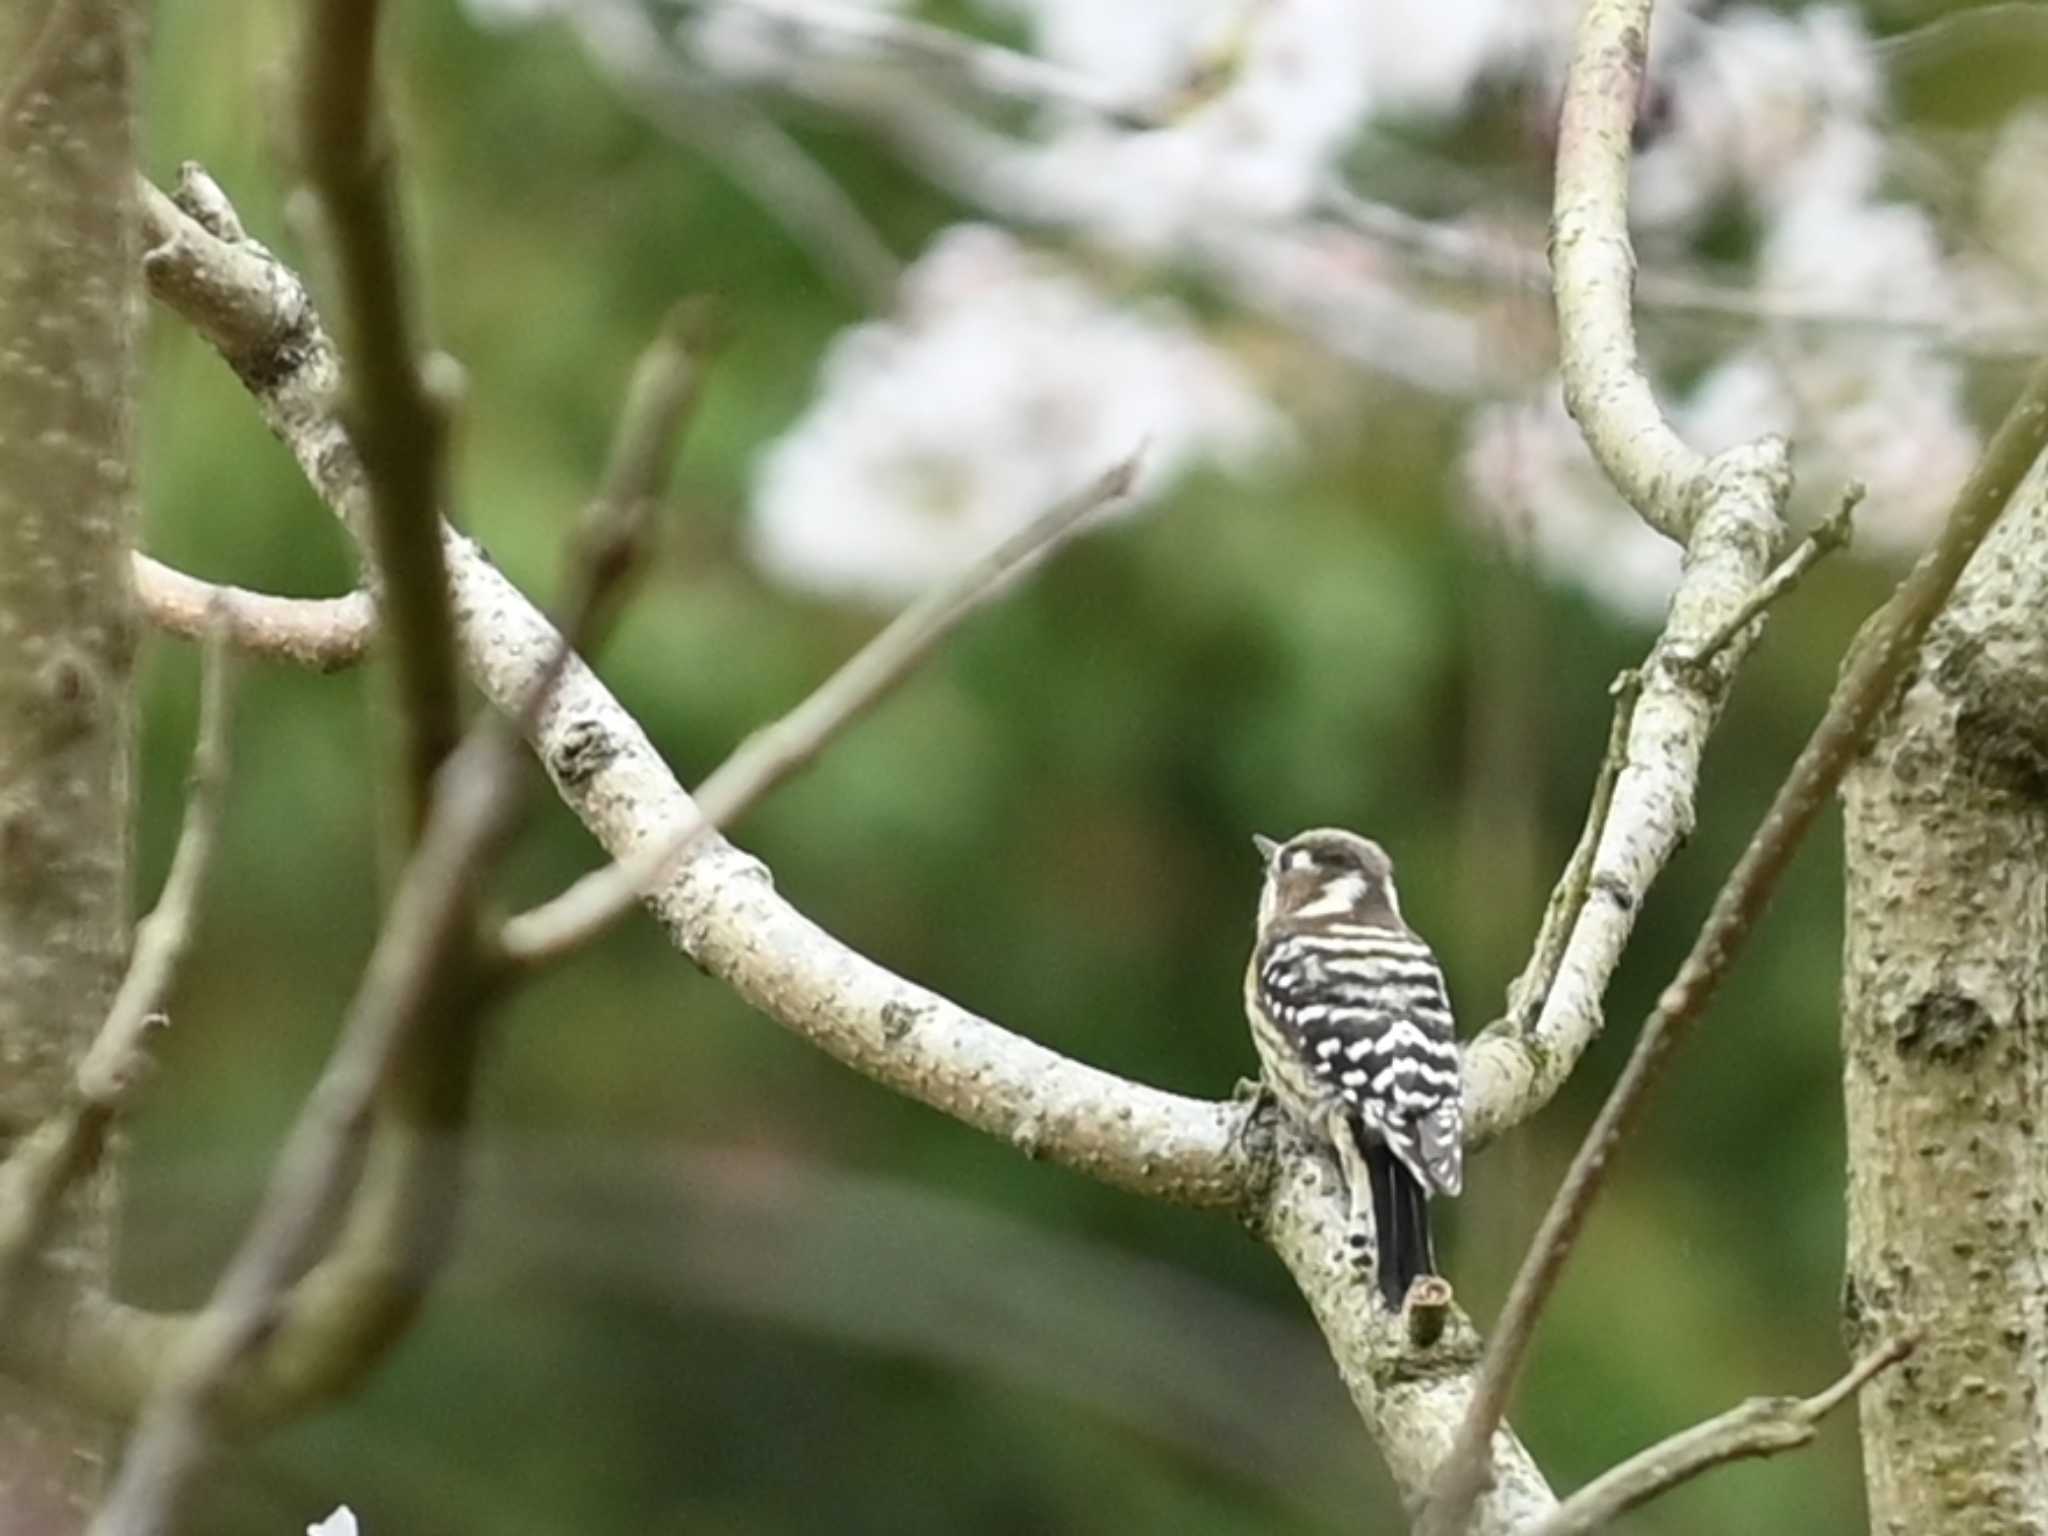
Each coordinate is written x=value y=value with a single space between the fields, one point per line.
x=775 y=752
x=1763 y=1426
x=50 y=1158
x=1831 y=534
x=396 y=424
x=611 y=542
x=1568 y=896
x=324 y=633
x=1870 y=675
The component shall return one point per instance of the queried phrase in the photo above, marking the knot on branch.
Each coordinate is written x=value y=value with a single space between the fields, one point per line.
x=584 y=750
x=1752 y=480
x=1944 y=1024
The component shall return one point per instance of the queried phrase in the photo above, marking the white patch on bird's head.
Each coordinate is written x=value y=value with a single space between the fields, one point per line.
x=1344 y=893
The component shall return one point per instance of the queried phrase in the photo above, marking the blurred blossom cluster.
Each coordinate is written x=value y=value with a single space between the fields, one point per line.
x=1003 y=382
x=1294 y=87
x=1003 y=385
x=1792 y=108
x=1782 y=117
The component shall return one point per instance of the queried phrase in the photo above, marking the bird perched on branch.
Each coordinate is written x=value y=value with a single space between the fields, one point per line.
x=1355 y=1038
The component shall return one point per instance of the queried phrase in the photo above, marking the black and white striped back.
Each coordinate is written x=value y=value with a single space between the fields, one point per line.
x=1358 y=1011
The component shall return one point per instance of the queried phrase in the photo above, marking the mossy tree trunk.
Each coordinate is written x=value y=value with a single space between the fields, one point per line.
x=1945 y=1021
x=69 y=314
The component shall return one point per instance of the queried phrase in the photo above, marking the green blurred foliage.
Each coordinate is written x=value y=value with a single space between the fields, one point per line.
x=1050 y=824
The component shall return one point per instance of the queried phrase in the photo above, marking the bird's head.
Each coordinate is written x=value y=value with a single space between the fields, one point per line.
x=1327 y=872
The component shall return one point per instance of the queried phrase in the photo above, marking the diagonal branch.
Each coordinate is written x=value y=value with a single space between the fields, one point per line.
x=425 y=977
x=1604 y=384
x=1515 y=1066
x=1728 y=511
x=1568 y=897
x=1763 y=1426
x=719 y=906
x=396 y=426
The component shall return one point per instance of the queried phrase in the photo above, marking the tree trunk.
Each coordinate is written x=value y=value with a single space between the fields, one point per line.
x=1945 y=1026
x=70 y=306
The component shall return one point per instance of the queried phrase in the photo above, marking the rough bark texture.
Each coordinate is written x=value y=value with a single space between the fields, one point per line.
x=69 y=308
x=1945 y=1025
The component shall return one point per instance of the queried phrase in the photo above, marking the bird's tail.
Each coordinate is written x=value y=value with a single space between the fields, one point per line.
x=1400 y=1216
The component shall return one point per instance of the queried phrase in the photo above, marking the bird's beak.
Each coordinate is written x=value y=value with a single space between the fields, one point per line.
x=1266 y=846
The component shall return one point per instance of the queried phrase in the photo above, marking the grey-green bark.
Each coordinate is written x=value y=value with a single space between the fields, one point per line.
x=69 y=310
x=1945 y=1037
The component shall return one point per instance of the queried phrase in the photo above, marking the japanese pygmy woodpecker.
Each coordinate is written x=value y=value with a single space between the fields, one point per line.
x=1355 y=1038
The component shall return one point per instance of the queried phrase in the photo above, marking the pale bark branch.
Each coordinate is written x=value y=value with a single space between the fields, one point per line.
x=1763 y=1426
x=1605 y=387
x=1871 y=674
x=720 y=906
x=769 y=756
x=1517 y=1065
x=44 y=1164
x=324 y=633
x=1412 y=1396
